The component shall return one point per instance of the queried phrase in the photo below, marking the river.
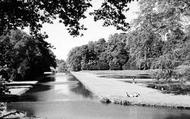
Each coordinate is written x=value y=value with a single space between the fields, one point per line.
x=61 y=96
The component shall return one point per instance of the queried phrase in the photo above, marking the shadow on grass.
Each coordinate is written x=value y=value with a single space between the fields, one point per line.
x=173 y=88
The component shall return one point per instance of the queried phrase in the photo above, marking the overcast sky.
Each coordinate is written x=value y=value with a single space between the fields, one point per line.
x=63 y=42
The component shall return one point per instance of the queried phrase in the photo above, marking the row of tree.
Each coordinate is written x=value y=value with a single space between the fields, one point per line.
x=159 y=38
x=121 y=51
x=99 y=55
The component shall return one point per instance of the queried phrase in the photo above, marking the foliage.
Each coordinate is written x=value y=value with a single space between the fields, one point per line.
x=24 y=13
x=33 y=13
x=4 y=78
x=25 y=56
x=159 y=39
x=3 y=88
x=100 y=55
x=62 y=66
x=113 y=13
x=164 y=22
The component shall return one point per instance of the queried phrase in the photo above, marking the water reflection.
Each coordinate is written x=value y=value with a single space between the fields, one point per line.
x=94 y=110
x=79 y=88
x=56 y=87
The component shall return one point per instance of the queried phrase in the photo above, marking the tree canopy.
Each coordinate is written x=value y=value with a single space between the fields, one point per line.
x=25 y=56
x=33 y=13
x=100 y=55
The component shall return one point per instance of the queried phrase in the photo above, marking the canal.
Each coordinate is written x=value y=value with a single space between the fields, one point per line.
x=62 y=96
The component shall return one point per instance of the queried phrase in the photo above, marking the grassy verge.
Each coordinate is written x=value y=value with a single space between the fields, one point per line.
x=116 y=90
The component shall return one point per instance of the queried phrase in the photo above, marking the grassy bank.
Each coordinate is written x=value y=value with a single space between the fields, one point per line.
x=116 y=90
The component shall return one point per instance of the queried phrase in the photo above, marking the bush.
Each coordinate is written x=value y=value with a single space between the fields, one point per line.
x=103 y=65
x=62 y=67
x=130 y=66
x=164 y=74
x=114 y=66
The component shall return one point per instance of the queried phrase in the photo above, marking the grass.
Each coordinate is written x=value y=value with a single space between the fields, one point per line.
x=176 y=88
x=143 y=77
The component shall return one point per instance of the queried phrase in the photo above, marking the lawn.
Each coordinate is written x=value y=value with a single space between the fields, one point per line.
x=143 y=78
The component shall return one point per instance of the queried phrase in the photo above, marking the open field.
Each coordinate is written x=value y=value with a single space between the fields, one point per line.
x=118 y=89
x=143 y=77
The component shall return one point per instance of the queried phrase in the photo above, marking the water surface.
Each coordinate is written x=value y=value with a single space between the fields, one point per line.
x=63 y=97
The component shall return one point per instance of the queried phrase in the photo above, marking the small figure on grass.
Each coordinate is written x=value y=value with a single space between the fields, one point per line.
x=133 y=80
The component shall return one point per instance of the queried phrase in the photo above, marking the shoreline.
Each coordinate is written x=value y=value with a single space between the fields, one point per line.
x=114 y=91
x=16 y=89
x=20 y=87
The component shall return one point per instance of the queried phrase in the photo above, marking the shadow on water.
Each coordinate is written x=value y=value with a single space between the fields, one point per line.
x=80 y=89
x=30 y=95
x=47 y=78
x=47 y=86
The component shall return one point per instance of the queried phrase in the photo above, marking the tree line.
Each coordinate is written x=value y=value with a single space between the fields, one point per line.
x=159 y=38
x=120 y=52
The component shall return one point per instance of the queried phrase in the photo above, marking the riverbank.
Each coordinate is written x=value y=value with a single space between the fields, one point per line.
x=16 y=89
x=20 y=87
x=118 y=92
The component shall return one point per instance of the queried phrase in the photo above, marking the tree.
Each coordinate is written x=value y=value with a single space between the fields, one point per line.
x=74 y=59
x=62 y=66
x=113 y=13
x=33 y=13
x=144 y=46
x=166 y=20
x=118 y=54
x=24 y=56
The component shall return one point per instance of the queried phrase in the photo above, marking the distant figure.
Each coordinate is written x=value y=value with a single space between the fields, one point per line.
x=133 y=80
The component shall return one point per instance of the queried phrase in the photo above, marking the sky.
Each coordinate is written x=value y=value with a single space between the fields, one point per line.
x=63 y=42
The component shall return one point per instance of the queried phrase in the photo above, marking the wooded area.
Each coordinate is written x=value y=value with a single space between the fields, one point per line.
x=158 y=39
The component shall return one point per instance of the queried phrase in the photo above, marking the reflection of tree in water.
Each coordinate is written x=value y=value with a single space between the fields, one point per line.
x=40 y=87
x=46 y=79
x=80 y=88
x=30 y=95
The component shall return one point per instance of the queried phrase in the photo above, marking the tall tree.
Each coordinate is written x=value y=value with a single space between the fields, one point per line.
x=74 y=59
x=116 y=48
x=165 y=18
